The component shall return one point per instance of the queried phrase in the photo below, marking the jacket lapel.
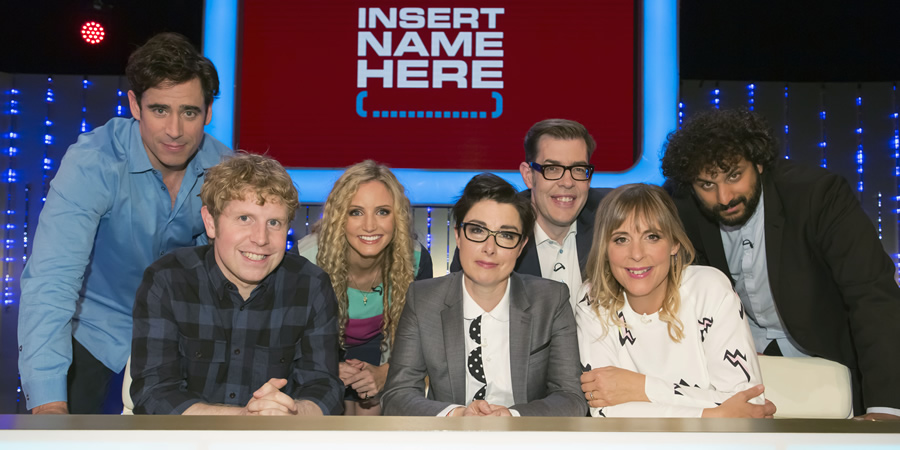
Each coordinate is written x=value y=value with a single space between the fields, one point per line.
x=774 y=227
x=519 y=338
x=712 y=244
x=584 y=236
x=528 y=260
x=454 y=340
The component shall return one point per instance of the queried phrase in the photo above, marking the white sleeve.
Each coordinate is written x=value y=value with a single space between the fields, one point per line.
x=728 y=347
x=599 y=350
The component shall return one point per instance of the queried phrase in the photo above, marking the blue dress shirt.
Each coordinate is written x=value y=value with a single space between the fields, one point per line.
x=745 y=250
x=107 y=217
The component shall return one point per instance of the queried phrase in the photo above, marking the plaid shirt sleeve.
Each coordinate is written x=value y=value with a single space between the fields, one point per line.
x=158 y=386
x=315 y=372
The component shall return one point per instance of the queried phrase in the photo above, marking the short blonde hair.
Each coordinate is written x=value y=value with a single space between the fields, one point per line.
x=652 y=206
x=246 y=172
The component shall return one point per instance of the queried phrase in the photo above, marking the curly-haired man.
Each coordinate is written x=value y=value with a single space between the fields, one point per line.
x=804 y=257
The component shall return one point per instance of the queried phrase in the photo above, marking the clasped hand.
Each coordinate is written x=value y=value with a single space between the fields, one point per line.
x=482 y=408
x=739 y=406
x=268 y=400
x=364 y=378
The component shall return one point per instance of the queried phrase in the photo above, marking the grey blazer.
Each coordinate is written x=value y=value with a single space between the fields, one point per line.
x=430 y=342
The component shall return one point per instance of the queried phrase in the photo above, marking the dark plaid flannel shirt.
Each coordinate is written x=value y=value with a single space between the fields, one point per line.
x=196 y=339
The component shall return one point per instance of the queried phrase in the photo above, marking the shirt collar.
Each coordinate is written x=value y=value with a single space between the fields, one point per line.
x=471 y=310
x=223 y=286
x=540 y=236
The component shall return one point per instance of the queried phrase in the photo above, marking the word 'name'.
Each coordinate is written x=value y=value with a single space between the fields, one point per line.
x=414 y=73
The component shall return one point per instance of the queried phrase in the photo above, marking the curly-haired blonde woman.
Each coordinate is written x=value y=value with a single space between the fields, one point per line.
x=657 y=336
x=365 y=242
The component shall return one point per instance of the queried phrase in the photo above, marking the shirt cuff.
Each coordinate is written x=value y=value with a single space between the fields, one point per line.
x=40 y=391
x=515 y=413
x=883 y=410
x=657 y=390
x=446 y=411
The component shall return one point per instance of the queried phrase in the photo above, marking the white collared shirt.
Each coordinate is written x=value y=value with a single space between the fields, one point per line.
x=494 y=351
x=559 y=262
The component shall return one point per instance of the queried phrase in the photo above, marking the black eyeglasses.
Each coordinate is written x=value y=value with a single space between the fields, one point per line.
x=503 y=238
x=580 y=172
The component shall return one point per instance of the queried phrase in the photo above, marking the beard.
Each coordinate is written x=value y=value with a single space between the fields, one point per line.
x=714 y=213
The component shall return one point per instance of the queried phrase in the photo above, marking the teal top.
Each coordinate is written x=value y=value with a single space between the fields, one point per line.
x=308 y=247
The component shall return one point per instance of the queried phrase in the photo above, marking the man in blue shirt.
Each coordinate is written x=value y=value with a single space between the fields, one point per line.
x=125 y=194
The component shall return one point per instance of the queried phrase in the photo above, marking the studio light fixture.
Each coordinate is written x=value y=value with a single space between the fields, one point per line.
x=92 y=32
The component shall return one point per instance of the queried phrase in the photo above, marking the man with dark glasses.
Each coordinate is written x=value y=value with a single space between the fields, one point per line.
x=557 y=172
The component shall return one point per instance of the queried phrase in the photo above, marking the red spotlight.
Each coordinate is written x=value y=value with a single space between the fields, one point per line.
x=92 y=32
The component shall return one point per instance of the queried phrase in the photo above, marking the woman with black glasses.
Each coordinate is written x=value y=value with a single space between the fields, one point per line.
x=489 y=341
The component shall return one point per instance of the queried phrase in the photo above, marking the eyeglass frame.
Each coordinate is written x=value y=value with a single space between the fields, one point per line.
x=540 y=168
x=490 y=232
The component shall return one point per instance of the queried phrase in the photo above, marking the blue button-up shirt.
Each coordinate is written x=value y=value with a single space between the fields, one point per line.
x=745 y=250
x=107 y=217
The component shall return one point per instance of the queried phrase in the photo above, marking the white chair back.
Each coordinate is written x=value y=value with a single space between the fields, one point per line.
x=807 y=388
x=128 y=405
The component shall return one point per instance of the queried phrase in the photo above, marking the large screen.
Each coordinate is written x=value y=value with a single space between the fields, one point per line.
x=433 y=85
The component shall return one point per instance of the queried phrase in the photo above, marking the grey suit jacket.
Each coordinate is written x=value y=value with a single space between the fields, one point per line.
x=430 y=342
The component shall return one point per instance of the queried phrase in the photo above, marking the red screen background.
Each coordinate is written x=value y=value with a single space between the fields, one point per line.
x=572 y=59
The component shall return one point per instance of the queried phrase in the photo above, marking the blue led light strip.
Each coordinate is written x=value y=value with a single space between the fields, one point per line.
x=896 y=145
x=823 y=143
x=878 y=221
x=860 y=157
x=47 y=164
x=715 y=93
x=84 y=86
x=428 y=231
x=307 y=220
x=787 y=137
x=751 y=96
x=680 y=114
x=25 y=226
x=448 y=259
x=120 y=110
x=11 y=177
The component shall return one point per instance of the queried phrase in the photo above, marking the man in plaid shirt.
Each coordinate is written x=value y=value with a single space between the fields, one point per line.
x=238 y=327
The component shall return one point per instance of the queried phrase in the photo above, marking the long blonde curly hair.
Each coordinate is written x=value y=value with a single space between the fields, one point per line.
x=650 y=205
x=397 y=262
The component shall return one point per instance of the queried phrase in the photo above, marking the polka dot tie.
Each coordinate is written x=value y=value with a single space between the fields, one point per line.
x=476 y=366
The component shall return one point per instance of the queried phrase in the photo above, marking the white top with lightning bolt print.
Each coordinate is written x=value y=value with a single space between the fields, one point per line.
x=715 y=360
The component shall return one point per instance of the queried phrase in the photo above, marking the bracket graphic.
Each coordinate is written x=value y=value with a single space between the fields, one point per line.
x=434 y=114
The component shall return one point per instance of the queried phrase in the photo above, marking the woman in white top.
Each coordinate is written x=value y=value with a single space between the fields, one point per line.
x=658 y=337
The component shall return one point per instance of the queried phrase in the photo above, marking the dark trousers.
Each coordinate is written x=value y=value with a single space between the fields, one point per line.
x=92 y=387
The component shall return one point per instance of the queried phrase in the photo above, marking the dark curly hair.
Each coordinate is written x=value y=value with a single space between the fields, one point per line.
x=717 y=139
x=169 y=59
